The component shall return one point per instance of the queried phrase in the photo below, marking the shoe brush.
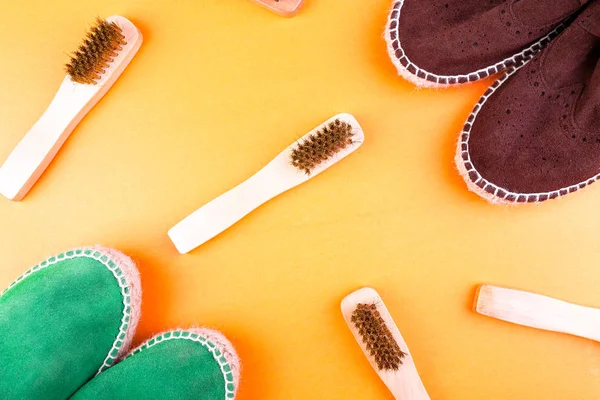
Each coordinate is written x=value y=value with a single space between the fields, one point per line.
x=308 y=157
x=285 y=8
x=104 y=54
x=383 y=345
x=537 y=311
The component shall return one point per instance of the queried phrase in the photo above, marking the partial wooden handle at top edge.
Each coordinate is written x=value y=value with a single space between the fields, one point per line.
x=285 y=8
x=538 y=311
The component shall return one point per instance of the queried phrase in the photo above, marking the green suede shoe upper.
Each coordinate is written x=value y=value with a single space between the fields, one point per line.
x=178 y=365
x=61 y=323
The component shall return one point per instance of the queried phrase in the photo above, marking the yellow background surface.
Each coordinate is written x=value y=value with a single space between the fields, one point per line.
x=217 y=90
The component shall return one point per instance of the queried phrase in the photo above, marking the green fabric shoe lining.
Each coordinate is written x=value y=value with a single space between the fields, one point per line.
x=64 y=321
x=181 y=364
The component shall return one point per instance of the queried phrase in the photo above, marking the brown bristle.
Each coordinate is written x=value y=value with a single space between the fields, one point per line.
x=377 y=338
x=97 y=51
x=322 y=145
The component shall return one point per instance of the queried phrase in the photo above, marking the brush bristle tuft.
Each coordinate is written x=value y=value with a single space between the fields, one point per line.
x=98 y=50
x=322 y=145
x=377 y=337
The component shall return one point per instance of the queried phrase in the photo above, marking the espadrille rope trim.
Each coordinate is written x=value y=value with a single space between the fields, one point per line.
x=106 y=260
x=485 y=188
x=219 y=357
x=421 y=77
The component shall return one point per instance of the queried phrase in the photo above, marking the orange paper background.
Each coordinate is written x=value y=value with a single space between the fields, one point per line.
x=218 y=89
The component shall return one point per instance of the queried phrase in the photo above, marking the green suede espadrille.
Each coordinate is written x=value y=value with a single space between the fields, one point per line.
x=193 y=364
x=66 y=320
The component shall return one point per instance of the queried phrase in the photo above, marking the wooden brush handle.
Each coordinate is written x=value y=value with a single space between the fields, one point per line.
x=73 y=101
x=227 y=209
x=35 y=151
x=538 y=311
x=285 y=8
x=277 y=177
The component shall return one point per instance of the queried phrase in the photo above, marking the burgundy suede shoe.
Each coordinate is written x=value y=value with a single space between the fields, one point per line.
x=438 y=43
x=535 y=134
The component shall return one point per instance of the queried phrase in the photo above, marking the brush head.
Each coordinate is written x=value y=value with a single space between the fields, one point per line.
x=376 y=336
x=99 y=49
x=322 y=145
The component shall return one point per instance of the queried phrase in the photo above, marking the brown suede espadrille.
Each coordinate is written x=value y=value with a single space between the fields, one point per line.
x=535 y=134
x=438 y=43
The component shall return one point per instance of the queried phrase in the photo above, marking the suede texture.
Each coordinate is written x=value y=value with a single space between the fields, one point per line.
x=57 y=327
x=539 y=132
x=460 y=37
x=173 y=369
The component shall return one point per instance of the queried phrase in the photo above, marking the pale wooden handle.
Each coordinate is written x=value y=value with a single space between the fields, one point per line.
x=39 y=146
x=224 y=211
x=285 y=8
x=275 y=178
x=73 y=101
x=538 y=311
